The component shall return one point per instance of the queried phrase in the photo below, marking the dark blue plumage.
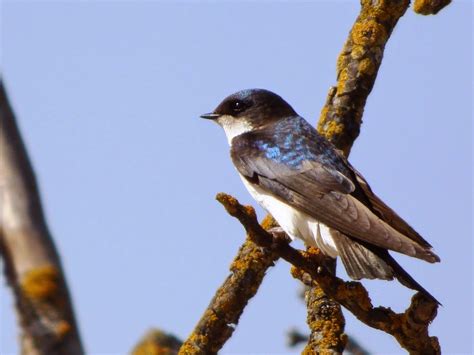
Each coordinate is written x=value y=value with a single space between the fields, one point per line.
x=293 y=140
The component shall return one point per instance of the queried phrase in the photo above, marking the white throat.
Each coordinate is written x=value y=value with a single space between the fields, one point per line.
x=233 y=127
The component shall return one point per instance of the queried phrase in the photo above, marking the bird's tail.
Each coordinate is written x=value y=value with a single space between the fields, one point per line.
x=405 y=279
x=367 y=261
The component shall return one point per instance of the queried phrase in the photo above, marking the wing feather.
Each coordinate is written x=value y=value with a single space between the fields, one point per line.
x=325 y=194
x=387 y=214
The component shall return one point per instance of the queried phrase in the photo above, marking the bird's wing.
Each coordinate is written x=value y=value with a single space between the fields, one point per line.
x=386 y=213
x=324 y=194
x=359 y=261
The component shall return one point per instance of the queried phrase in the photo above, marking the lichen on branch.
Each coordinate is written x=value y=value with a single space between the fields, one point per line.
x=247 y=272
x=31 y=263
x=357 y=68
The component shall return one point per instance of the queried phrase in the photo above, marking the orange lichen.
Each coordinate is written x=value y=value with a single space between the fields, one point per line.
x=366 y=67
x=333 y=128
x=62 y=329
x=342 y=62
x=324 y=320
x=385 y=11
x=250 y=211
x=268 y=222
x=323 y=117
x=358 y=52
x=41 y=283
x=330 y=330
x=369 y=33
x=429 y=7
x=341 y=81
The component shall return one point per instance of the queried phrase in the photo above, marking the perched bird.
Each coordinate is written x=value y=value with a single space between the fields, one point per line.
x=312 y=191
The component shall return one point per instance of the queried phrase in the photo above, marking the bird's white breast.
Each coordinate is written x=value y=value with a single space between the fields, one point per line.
x=295 y=223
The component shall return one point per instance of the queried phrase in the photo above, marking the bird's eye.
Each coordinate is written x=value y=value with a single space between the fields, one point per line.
x=237 y=106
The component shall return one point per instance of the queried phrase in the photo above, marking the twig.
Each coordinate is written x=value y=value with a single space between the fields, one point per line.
x=429 y=7
x=409 y=328
x=32 y=266
x=222 y=315
x=357 y=68
x=157 y=342
x=295 y=338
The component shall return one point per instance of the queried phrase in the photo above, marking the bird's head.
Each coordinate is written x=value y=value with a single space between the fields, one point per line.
x=249 y=110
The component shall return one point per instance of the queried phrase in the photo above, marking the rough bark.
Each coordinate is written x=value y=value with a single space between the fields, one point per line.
x=340 y=121
x=357 y=68
x=31 y=262
x=429 y=7
x=157 y=342
x=222 y=315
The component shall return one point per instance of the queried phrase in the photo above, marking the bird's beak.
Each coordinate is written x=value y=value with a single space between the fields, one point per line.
x=210 y=116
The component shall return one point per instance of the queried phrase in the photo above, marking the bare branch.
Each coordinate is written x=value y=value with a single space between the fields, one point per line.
x=409 y=328
x=32 y=266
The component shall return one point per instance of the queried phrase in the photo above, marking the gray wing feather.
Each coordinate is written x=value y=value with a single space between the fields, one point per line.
x=359 y=261
x=389 y=215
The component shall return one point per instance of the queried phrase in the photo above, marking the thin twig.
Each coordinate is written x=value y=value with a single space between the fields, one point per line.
x=222 y=315
x=429 y=7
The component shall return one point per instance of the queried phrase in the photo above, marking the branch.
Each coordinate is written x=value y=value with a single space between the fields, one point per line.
x=295 y=338
x=222 y=315
x=32 y=266
x=429 y=7
x=155 y=341
x=357 y=68
x=341 y=116
x=339 y=122
x=409 y=328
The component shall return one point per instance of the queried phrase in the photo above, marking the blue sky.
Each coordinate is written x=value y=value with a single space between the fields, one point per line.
x=108 y=96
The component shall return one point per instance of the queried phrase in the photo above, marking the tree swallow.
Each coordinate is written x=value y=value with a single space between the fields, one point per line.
x=312 y=191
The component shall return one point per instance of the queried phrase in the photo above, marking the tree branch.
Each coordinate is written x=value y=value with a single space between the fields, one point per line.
x=32 y=266
x=410 y=328
x=222 y=315
x=357 y=68
x=429 y=7
x=157 y=342
x=339 y=122
x=341 y=116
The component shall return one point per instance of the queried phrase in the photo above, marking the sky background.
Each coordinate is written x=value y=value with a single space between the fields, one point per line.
x=108 y=96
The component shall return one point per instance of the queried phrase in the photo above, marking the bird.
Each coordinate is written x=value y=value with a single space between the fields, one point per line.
x=312 y=190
